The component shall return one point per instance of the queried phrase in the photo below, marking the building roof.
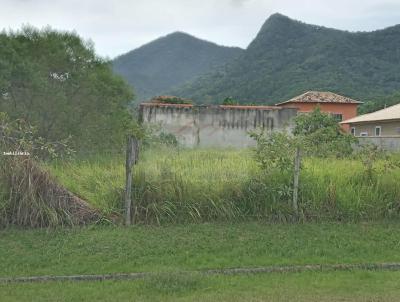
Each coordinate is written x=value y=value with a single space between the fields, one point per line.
x=389 y=113
x=320 y=97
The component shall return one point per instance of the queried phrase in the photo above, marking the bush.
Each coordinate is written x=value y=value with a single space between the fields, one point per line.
x=322 y=136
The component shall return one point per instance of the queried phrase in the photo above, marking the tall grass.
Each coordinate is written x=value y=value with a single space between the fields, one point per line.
x=30 y=197
x=179 y=186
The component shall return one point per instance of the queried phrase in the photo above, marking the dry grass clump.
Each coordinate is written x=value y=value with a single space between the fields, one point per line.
x=30 y=197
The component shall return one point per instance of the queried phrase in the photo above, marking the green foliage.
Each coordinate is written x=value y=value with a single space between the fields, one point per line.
x=28 y=194
x=288 y=58
x=54 y=81
x=274 y=150
x=377 y=103
x=370 y=155
x=17 y=136
x=181 y=186
x=170 y=100
x=321 y=135
x=170 y=61
x=230 y=101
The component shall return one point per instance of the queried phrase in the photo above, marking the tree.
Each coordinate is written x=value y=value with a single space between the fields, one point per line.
x=55 y=81
x=321 y=135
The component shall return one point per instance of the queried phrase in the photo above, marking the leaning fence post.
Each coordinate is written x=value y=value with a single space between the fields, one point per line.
x=297 y=162
x=132 y=152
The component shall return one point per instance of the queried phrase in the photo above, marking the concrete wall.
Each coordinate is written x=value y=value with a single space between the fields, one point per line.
x=216 y=126
x=385 y=143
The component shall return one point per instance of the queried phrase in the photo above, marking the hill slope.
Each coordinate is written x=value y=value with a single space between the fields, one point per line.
x=170 y=61
x=289 y=57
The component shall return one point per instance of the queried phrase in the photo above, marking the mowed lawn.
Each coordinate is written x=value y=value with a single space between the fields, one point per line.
x=358 y=286
x=167 y=250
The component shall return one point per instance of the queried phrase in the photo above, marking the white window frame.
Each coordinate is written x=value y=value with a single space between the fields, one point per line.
x=365 y=133
x=380 y=130
x=353 y=131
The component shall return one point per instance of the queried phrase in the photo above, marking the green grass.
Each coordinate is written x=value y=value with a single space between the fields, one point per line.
x=169 y=249
x=185 y=186
x=98 y=250
x=305 y=287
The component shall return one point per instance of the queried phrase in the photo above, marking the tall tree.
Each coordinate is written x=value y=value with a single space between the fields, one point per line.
x=54 y=80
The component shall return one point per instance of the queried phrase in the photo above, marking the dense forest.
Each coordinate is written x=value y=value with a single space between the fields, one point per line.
x=170 y=61
x=55 y=82
x=289 y=57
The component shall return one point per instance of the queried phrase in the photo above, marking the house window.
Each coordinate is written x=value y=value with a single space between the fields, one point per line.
x=337 y=116
x=378 y=130
x=363 y=133
x=353 y=131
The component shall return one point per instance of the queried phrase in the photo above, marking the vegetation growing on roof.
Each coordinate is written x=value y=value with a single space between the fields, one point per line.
x=166 y=99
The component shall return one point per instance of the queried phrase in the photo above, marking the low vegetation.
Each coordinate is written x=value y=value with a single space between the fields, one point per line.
x=29 y=195
x=175 y=185
x=174 y=248
x=308 y=287
x=170 y=249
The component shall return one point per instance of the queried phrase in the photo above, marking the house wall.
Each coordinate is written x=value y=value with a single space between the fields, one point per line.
x=216 y=126
x=390 y=128
x=346 y=110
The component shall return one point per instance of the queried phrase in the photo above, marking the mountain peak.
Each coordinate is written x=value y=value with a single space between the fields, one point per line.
x=180 y=34
x=276 y=21
x=278 y=16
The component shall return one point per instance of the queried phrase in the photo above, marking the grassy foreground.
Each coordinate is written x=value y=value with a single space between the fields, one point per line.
x=98 y=250
x=169 y=249
x=305 y=287
x=186 y=186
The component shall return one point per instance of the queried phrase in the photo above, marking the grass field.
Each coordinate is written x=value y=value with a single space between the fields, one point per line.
x=186 y=186
x=174 y=248
x=99 y=250
x=305 y=287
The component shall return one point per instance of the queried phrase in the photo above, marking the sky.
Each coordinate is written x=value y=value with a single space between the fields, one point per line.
x=118 y=26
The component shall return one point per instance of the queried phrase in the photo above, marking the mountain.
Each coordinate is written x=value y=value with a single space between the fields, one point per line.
x=288 y=57
x=170 y=61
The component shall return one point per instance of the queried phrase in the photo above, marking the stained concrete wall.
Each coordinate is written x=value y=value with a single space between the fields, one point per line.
x=216 y=126
x=388 y=143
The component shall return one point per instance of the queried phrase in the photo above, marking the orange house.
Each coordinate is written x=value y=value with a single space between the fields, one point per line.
x=341 y=107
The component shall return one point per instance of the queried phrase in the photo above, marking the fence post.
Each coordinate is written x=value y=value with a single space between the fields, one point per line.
x=297 y=162
x=132 y=153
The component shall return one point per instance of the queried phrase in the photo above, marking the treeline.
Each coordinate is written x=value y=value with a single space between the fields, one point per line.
x=288 y=58
x=54 y=81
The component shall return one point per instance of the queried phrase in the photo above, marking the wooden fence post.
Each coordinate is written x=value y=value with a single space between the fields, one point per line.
x=297 y=162
x=132 y=154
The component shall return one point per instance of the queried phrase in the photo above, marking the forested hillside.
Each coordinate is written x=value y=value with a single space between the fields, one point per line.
x=170 y=61
x=289 y=57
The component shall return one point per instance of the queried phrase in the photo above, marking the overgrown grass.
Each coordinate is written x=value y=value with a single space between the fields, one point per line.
x=30 y=197
x=174 y=186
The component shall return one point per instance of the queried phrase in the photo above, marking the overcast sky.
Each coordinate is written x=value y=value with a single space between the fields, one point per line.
x=117 y=26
